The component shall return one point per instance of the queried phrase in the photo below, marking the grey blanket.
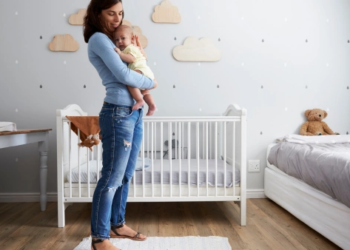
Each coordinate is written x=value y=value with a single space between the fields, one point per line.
x=325 y=167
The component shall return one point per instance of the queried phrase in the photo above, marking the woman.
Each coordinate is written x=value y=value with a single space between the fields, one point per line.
x=121 y=128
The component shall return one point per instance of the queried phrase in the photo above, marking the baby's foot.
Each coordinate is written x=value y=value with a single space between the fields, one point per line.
x=151 y=109
x=138 y=105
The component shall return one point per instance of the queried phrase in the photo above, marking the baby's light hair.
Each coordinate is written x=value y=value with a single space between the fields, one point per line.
x=124 y=28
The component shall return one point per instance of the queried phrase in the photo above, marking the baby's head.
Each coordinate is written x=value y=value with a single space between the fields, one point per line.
x=123 y=36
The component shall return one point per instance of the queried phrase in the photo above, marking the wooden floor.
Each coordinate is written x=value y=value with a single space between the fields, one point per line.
x=24 y=226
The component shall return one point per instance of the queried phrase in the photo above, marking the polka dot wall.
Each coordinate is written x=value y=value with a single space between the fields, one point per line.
x=279 y=58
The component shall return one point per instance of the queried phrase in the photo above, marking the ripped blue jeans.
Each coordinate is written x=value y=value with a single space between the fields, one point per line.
x=121 y=131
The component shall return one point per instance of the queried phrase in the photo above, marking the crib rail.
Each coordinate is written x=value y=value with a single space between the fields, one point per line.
x=182 y=159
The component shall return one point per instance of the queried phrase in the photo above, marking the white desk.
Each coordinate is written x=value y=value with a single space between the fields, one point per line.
x=21 y=137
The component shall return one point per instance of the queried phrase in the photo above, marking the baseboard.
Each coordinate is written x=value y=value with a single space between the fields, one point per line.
x=255 y=193
x=52 y=197
x=25 y=197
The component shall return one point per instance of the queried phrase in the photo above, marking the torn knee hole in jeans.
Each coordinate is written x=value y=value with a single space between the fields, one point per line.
x=127 y=144
x=111 y=189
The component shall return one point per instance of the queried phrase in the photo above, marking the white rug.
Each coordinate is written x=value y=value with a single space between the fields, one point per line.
x=166 y=243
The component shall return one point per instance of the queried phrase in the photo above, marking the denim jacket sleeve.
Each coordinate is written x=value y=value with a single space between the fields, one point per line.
x=103 y=47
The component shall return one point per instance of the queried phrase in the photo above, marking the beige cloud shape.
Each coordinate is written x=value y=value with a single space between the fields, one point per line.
x=166 y=13
x=197 y=50
x=77 y=19
x=137 y=31
x=63 y=43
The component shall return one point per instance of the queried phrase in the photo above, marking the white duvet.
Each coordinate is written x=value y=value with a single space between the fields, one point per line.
x=323 y=162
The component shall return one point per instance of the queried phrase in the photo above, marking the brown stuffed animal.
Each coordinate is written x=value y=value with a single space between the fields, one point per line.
x=315 y=125
x=90 y=141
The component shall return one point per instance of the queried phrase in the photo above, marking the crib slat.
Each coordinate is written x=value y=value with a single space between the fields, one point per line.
x=183 y=136
x=152 y=164
x=210 y=141
x=225 y=158
x=234 y=158
x=161 y=159
x=175 y=151
x=69 y=159
x=88 y=171
x=98 y=161
x=197 y=155
x=170 y=155
x=143 y=162
x=216 y=158
x=203 y=156
x=79 y=173
x=206 y=154
x=189 y=156
x=93 y=157
x=134 y=177
x=148 y=141
x=221 y=142
x=155 y=141
x=180 y=146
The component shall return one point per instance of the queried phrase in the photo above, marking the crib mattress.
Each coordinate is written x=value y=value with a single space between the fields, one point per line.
x=323 y=165
x=93 y=165
x=157 y=168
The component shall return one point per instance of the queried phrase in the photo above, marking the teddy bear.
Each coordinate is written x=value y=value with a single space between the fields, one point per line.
x=315 y=125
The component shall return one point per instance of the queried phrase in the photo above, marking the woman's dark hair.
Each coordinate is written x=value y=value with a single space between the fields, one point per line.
x=92 y=22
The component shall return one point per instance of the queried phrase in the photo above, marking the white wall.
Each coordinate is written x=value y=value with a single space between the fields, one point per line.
x=267 y=67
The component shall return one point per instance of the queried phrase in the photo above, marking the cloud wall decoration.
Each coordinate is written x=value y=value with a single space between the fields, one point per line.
x=137 y=31
x=63 y=43
x=197 y=50
x=78 y=18
x=166 y=13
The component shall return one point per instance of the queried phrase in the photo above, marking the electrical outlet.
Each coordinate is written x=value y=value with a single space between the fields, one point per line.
x=254 y=166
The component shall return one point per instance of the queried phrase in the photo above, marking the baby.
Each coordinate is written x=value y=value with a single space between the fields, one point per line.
x=130 y=50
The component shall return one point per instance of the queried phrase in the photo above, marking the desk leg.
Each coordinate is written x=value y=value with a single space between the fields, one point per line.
x=43 y=180
x=43 y=148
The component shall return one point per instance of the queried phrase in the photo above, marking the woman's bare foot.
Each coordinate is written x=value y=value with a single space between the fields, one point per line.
x=104 y=245
x=151 y=109
x=138 y=104
x=127 y=232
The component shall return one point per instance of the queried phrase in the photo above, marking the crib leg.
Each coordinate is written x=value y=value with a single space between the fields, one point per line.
x=61 y=211
x=67 y=205
x=243 y=206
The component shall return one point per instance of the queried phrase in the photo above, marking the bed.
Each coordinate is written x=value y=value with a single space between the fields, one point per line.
x=310 y=178
x=206 y=161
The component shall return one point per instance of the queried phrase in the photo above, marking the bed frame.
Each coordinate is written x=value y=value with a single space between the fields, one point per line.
x=200 y=138
x=313 y=207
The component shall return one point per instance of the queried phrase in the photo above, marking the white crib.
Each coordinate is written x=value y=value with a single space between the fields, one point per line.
x=204 y=161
